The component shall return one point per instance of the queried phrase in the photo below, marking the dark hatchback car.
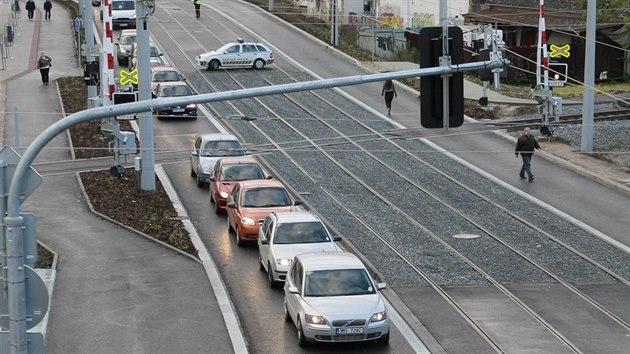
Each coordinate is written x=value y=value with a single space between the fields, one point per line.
x=175 y=89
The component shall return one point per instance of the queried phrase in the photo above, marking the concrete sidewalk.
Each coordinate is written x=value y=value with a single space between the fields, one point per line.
x=113 y=290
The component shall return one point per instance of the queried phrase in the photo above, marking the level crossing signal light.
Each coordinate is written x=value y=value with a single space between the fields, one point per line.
x=431 y=95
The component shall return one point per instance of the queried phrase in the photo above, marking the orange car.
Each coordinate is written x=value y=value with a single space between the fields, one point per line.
x=251 y=201
x=227 y=172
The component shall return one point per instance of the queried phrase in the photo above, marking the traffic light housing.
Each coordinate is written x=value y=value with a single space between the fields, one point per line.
x=431 y=95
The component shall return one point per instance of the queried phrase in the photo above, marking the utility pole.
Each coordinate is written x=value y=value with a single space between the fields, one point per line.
x=589 y=79
x=445 y=60
x=144 y=9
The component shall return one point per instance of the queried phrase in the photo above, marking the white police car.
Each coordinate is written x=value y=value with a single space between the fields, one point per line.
x=236 y=54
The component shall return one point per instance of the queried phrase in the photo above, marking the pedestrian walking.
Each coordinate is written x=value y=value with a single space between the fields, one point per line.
x=30 y=7
x=389 y=91
x=47 y=8
x=43 y=64
x=525 y=146
x=197 y=8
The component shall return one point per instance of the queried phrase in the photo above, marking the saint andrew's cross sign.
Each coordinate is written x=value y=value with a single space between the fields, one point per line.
x=127 y=77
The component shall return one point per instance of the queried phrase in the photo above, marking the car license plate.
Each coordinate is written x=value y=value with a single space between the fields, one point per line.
x=349 y=330
x=178 y=110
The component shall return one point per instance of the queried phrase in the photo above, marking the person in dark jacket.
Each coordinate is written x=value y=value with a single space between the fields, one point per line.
x=30 y=7
x=43 y=64
x=389 y=91
x=197 y=4
x=525 y=146
x=47 y=8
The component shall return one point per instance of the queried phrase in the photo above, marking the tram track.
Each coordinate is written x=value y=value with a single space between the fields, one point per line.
x=481 y=227
x=302 y=141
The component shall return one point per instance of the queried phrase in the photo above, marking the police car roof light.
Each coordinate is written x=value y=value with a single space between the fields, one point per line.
x=240 y=40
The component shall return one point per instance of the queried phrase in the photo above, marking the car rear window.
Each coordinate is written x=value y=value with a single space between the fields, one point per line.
x=261 y=48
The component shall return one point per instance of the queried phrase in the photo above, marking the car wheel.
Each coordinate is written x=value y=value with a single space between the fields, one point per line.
x=287 y=315
x=239 y=242
x=199 y=181
x=272 y=282
x=302 y=342
x=384 y=339
x=192 y=172
x=259 y=64
x=214 y=65
x=217 y=210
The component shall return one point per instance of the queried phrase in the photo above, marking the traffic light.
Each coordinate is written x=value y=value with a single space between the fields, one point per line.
x=431 y=95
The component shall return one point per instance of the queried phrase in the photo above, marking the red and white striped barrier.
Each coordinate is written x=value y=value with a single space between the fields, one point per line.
x=108 y=85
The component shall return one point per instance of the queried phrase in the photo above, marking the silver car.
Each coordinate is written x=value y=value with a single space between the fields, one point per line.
x=285 y=234
x=208 y=149
x=124 y=44
x=330 y=297
x=236 y=54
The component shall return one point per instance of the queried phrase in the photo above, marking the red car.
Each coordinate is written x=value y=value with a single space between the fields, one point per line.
x=227 y=172
x=251 y=201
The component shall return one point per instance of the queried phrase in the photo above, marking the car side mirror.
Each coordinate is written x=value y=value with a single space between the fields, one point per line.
x=248 y=152
x=293 y=290
x=231 y=205
x=195 y=153
x=337 y=239
x=212 y=178
x=269 y=177
x=381 y=286
x=264 y=241
x=297 y=202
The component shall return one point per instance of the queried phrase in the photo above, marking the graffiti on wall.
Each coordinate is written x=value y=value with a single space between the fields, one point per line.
x=423 y=20
x=389 y=16
x=385 y=42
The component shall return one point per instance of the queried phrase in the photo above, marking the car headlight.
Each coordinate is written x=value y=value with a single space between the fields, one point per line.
x=223 y=195
x=284 y=261
x=314 y=319
x=379 y=316
x=192 y=105
x=248 y=221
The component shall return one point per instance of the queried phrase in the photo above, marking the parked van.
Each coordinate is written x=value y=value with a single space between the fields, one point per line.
x=123 y=14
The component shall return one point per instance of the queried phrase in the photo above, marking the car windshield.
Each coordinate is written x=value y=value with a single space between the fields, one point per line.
x=162 y=76
x=241 y=172
x=230 y=48
x=342 y=282
x=130 y=39
x=171 y=91
x=222 y=148
x=265 y=197
x=301 y=232
x=123 y=5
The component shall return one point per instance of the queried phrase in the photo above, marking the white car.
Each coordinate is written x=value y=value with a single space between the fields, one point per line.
x=236 y=54
x=330 y=297
x=208 y=149
x=285 y=234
